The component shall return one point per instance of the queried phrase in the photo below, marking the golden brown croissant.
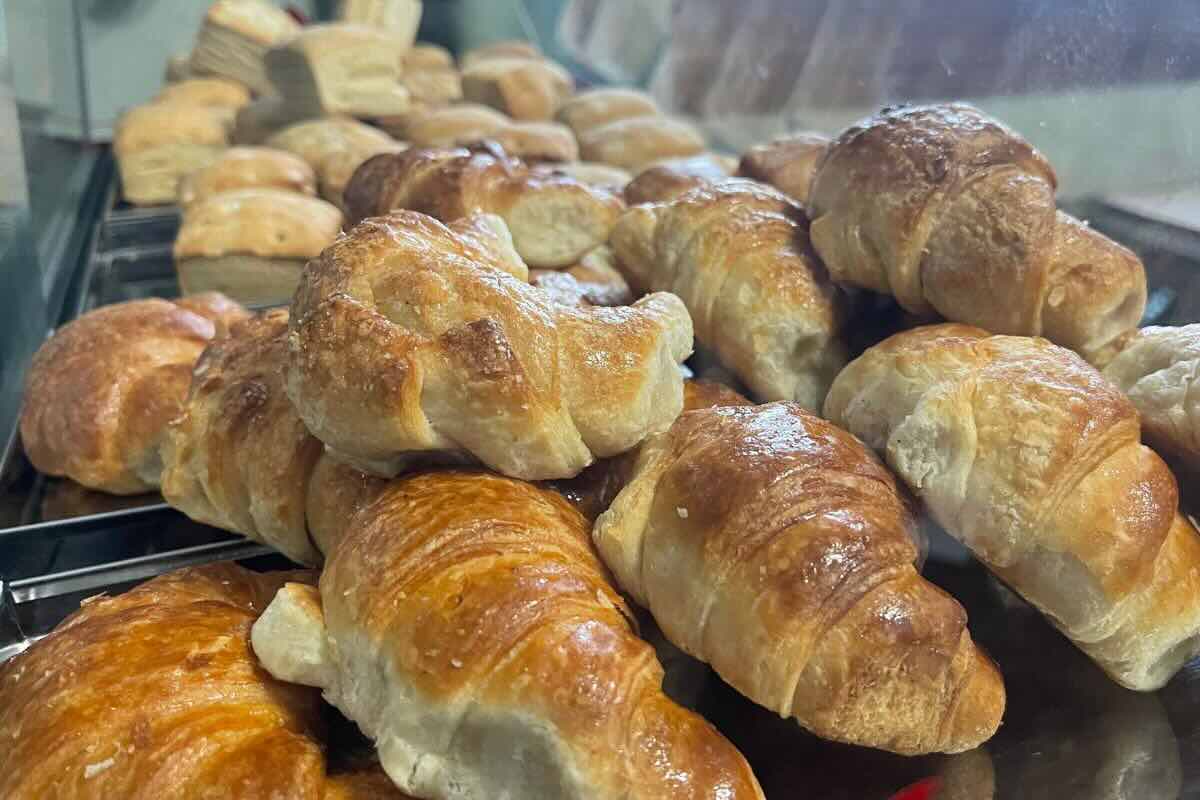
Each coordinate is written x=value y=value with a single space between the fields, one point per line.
x=787 y=163
x=554 y=219
x=102 y=389
x=949 y=211
x=775 y=547
x=1158 y=368
x=238 y=457
x=466 y=625
x=156 y=693
x=737 y=253
x=1032 y=459
x=407 y=337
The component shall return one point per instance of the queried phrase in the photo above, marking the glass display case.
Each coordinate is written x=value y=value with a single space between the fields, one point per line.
x=1108 y=91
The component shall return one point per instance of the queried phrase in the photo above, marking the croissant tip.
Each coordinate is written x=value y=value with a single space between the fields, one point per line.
x=980 y=708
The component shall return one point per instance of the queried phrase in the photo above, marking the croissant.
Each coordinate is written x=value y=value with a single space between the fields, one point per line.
x=787 y=163
x=1031 y=458
x=1157 y=369
x=155 y=693
x=775 y=547
x=554 y=219
x=665 y=182
x=466 y=625
x=102 y=389
x=737 y=253
x=593 y=281
x=408 y=337
x=949 y=211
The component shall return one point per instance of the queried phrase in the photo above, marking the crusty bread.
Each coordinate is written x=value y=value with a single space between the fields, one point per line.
x=635 y=142
x=521 y=88
x=247 y=168
x=554 y=219
x=381 y=372
x=949 y=211
x=595 y=107
x=234 y=38
x=454 y=125
x=669 y=178
x=1032 y=459
x=467 y=627
x=787 y=163
x=156 y=145
x=102 y=389
x=737 y=253
x=340 y=68
x=205 y=92
x=538 y=141
x=252 y=243
x=775 y=547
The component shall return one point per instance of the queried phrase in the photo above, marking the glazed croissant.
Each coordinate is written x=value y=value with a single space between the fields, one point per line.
x=775 y=547
x=155 y=693
x=407 y=337
x=466 y=625
x=1158 y=368
x=951 y=212
x=102 y=389
x=1032 y=459
x=554 y=219
x=737 y=253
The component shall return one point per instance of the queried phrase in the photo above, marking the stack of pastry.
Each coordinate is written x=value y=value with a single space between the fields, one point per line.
x=235 y=37
x=440 y=428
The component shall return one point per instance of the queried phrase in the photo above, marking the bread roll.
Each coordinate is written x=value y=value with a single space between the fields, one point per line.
x=737 y=253
x=602 y=176
x=1157 y=369
x=317 y=139
x=340 y=69
x=455 y=125
x=466 y=625
x=205 y=92
x=156 y=145
x=522 y=88
x=673 y=177
x=554 y=220
x=633 y=143
x=538 y=141
x=234 y=38
x=464 y=358
x=102 y=389
x=775 y=547
x=252 y=243
x=198 y=717
x=1032 y=459
x=787 y=163
x=595 y=107
x=248 y=168
x=949 y=211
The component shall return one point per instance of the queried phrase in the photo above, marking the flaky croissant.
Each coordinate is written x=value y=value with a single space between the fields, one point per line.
x=466 y=625
x=949 y=211
x=1158 y=368
x=1032 y=459
x=787 y=163
x=554 y=219
x=156 y=693
x=102 y=389
x=775 y=547
x=737 y=253
x=407 y=337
